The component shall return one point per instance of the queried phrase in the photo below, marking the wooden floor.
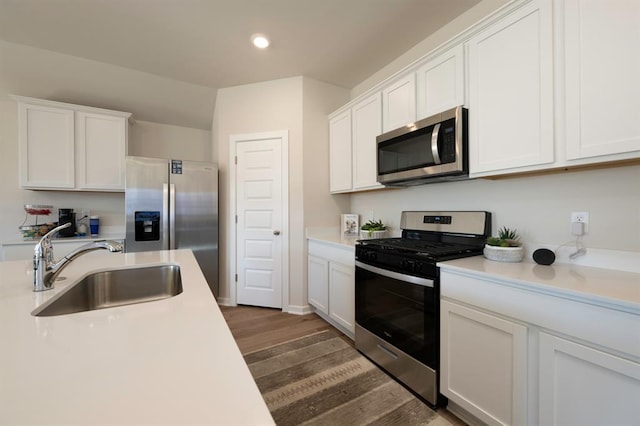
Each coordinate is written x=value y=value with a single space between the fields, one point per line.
x=258 y=328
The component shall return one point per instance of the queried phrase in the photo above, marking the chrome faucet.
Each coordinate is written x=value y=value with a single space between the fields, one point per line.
x=46 y=269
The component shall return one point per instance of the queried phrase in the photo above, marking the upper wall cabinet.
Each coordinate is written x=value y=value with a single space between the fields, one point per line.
x=340 y=152
x=440 y=84
x=367 y=124
x=601 y=69
x=511 y=92
x=70 y=147
x=399 y=103
x=352 y=146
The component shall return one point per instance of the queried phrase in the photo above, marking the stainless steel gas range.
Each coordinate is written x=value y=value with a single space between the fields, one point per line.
x=398 y=293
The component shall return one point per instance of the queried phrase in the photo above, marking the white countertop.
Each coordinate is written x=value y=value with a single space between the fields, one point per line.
x=604 y=287
x=86 y=239
x=332 y=236
x=172 y=361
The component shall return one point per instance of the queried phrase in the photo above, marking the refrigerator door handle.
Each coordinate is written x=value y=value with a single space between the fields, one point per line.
x=165 y=216
x=172 y=216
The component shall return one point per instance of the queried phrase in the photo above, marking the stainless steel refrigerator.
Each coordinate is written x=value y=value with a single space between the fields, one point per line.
x=173 y=204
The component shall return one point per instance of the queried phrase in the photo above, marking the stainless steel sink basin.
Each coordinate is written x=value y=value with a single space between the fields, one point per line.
x=115 y=288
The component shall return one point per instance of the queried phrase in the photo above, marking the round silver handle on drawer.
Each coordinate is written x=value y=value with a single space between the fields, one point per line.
x=276 y=232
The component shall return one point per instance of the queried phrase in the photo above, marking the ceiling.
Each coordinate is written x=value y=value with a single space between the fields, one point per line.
x=207 y=42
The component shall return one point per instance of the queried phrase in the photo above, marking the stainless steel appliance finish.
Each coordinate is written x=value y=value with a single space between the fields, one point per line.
x=173 y=204
x=107 y=289
x=429 y=150
x=397 y=293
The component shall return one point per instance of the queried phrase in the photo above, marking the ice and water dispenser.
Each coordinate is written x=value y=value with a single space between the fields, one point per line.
x=147 y=226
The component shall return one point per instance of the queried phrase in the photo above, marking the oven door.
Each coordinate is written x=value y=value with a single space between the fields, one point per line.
x=400 y=309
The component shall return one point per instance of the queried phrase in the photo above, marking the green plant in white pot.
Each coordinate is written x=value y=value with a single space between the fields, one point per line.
x=373 y=229
x=506 y=247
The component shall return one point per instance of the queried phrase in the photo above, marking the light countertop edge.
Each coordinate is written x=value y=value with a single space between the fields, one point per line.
x=332 y=236
x=619 y=290
x=171 y=361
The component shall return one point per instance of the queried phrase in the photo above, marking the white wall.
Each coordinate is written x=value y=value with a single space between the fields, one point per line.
x=538 y=206
x=44 y=74
x=149 y=139
x=274 y=106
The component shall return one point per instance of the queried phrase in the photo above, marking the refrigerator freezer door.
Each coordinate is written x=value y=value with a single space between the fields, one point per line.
x=196 y=214
x=145 y=206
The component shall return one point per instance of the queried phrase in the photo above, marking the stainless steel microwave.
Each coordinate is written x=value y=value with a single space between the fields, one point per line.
x=430 y=150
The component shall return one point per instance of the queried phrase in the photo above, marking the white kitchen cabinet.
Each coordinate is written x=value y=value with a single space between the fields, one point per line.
x=318 y=283
x=47 y=147
x=440 y=83
x=342 y=302
x=340 y=153
x=399 y=103
x=601 y=85
x=101 y=151
x=571 y=357
x=510 y=71
x=71 y=147
x=367 y=124
x=484 y=364
x=331 y=284
x=582 y=385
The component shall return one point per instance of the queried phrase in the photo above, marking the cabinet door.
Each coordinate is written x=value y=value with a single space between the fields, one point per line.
x=101 y=150
x=46 y=137
x=342 y=305
x=367 y=124
x=399 y=103
x=340 y=152
x=511 y=93
x=318 y=282
x=441 y=83
x=580 y=385
x=484 y=364
x=602 y=65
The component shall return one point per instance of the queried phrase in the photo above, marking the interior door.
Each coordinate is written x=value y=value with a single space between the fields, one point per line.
x=259 y=228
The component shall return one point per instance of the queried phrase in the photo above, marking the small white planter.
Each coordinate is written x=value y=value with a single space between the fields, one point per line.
x=370 y=235
x=504 y=254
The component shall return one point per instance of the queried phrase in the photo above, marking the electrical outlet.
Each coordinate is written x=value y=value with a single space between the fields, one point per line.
x=85 y=213
x=580 y=217
x=371 y=217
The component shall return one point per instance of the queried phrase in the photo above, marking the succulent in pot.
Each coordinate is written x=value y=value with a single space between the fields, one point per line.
x=506 y=247
x=373 y=229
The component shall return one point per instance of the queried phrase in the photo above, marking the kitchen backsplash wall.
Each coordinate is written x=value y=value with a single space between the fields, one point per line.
x=150 y=139
x=538 y=206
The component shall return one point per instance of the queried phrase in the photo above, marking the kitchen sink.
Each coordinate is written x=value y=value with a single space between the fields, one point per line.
x=107 y=289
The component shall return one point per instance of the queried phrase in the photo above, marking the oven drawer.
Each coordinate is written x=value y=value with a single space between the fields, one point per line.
x=414 y=374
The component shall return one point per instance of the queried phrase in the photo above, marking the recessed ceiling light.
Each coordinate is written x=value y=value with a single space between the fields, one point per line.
x=260 y=41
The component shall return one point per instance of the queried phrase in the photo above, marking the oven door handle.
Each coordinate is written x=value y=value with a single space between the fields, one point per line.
x=396 y=275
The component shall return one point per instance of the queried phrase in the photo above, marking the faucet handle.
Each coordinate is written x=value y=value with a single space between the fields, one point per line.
x=49 y=234
x=44 y=246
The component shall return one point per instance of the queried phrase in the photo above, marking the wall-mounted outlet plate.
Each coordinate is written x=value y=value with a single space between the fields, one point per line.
x=580 y=217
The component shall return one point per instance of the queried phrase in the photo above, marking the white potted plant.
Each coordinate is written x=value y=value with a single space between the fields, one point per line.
x=373 y=229
x=506 y=247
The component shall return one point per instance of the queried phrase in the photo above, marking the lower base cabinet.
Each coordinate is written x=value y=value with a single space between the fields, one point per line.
x=511 y=356
x=483 y=363
x=581 y=385
x=331 y=285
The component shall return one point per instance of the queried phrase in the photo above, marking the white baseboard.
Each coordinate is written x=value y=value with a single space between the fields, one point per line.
x=299 y=310
x=224 y=301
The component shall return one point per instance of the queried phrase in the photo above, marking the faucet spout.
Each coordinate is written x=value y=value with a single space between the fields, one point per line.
x=46 y=269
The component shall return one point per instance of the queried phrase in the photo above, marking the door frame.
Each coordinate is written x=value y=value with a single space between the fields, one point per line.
x=234 y=140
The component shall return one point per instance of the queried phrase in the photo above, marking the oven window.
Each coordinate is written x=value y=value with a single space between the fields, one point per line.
x=403 y=314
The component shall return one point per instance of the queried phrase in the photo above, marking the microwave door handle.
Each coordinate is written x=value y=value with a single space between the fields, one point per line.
x=434 y=144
